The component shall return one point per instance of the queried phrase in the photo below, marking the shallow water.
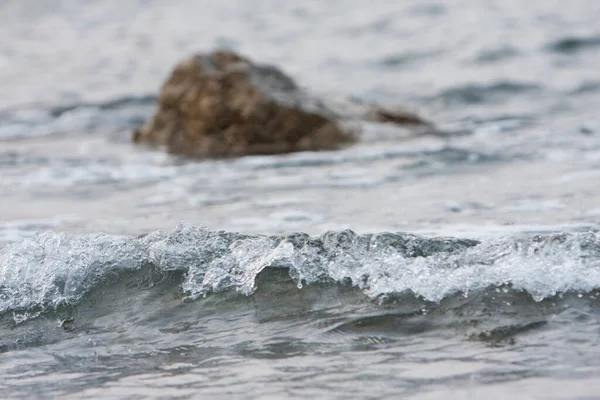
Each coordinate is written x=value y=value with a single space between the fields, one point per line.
x=92 y=309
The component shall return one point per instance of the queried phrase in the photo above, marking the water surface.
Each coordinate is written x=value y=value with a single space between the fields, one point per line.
x=307 y=274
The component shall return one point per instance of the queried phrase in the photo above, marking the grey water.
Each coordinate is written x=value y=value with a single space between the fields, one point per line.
x=457 y=265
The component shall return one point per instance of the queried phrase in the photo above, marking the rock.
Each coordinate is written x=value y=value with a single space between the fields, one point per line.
x=221 y=104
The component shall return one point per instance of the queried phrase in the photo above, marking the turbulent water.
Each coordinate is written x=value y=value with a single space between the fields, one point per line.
x=459 y=264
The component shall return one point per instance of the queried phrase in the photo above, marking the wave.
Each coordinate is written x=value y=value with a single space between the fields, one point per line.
x=401 y=59
x=573 y=44
x=586 y=87
x=37 y=120
x=55 y=269
x=492 y=93
x=494 y=55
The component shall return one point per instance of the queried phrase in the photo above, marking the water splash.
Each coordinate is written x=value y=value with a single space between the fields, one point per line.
x=51 y=269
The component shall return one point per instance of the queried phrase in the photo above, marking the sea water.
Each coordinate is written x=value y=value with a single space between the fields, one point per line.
x=457 y=265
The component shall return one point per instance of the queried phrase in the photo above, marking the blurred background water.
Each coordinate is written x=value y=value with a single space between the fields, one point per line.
x=514 y=85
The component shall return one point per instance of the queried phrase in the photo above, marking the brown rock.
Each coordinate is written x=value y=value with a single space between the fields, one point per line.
x=220 y=104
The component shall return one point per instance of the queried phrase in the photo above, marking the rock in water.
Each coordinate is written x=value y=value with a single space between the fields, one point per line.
x=221 y=104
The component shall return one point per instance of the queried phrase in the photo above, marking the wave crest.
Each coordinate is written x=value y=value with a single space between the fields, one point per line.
x=53 y=269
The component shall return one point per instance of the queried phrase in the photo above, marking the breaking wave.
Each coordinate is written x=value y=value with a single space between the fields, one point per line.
x=54 y=269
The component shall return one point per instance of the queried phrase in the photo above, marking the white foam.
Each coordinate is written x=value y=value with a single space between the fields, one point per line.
x=52 y=269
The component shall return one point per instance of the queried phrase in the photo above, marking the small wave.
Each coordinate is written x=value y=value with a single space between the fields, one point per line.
x=114 y=104
x=401 y=59
x=50 y=270
x=475 y=94
x=573 y=44
x=34 y=121
x=587 y=87
x=495 y=55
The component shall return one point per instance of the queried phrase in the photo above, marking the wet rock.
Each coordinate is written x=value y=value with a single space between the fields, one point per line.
x=221 y=104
